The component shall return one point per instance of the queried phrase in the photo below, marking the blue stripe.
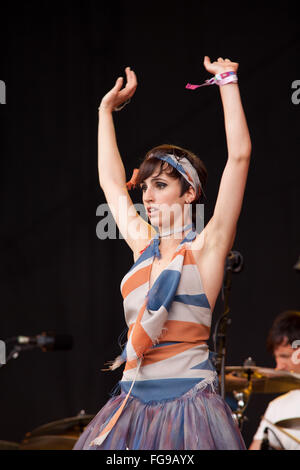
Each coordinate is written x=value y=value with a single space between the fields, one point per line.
x=168 y=283
x=199 y=300
x=124 y=353
x=161 y=389
x=175 y=165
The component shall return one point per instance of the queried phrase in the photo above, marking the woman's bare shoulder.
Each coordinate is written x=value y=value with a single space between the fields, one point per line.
x=142 y=243
x=203 y=239
x=210 y=239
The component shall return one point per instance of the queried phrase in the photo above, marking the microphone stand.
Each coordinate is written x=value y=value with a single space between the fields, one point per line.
x=45 y=341
x=234 y=263
x=221 y=331
x=16 y=350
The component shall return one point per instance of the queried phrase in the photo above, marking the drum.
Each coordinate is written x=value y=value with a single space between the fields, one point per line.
x=56 y=435
x=7 y=445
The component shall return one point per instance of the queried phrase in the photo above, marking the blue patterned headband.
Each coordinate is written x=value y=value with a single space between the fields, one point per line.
x=184 y=167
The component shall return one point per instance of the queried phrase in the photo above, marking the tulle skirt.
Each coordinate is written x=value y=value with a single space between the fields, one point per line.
x=198 y=420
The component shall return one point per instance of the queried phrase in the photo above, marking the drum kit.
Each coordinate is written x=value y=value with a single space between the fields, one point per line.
x=243 y=381
x=57 y=435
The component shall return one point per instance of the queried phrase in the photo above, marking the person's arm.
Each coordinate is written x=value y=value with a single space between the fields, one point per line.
x=112 y=176
x=259 y=434
x=236 y=128
x=110 y=165
x=222 y=226
x=255 y=444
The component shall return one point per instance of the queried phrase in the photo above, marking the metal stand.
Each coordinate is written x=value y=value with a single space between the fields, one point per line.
x=221 y=332
x=15 y=352
x=234 y=263
x=242 y=397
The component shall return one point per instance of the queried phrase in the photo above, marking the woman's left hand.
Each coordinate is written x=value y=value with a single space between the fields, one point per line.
x=220 y=65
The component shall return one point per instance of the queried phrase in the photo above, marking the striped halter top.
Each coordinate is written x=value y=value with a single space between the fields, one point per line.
x=168 y=325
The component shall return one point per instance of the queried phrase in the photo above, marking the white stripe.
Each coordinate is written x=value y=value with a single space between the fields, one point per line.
x=190 y=282
x=178 y=366
x=153 y=322
x=190 y=313
x=136 y=297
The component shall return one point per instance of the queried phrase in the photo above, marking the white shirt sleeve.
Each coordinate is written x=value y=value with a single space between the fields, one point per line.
x=283 y=407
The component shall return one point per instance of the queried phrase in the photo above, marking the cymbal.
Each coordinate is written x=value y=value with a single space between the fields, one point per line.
x=264 y=380
x=291 y=423
x=49 y=443
x=65 y=426
x=7 y=445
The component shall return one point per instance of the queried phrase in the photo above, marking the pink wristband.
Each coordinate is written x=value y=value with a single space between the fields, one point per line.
x=219 y=79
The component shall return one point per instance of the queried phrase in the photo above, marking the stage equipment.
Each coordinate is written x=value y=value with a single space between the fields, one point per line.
x=56 y=435
x=234 y=264
x=245 y=380
x=46 y=341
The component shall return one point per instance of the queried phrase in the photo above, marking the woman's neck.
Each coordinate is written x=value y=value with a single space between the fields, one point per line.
x=171 y=238
x=174 y=232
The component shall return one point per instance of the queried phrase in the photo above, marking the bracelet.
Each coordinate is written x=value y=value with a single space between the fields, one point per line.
x=119 y=107
x=219 y=79
x=122 y=105
x=225 y=77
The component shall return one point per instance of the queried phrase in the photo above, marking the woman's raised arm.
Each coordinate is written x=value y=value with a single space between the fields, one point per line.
x=222 y=226
x=110 y=165
x=112 y=175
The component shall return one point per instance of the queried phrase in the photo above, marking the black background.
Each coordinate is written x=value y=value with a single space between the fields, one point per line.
x=57 y=61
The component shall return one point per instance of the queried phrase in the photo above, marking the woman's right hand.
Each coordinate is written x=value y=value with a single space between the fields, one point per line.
x=116 y=97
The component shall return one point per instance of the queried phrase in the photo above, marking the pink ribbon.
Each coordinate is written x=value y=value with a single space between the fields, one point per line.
x=219 y=79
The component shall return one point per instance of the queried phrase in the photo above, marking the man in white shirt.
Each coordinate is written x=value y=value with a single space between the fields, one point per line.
x=284 y=343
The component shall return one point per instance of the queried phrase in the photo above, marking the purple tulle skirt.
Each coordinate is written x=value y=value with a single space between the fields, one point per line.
x=198 y=420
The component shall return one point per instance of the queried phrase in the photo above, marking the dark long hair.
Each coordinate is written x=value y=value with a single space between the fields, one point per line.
x=150 y=162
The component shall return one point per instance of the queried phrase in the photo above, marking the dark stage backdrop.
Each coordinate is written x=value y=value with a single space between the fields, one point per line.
x=57 y=61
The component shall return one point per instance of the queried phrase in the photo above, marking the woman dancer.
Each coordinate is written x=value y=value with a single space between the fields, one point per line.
x=169 y=389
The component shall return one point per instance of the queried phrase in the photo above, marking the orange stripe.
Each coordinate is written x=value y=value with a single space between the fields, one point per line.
x=179 y=252
x=185 y=331
x=189 y=258
x=136 y=280
x=181 y=331
x=115 y=418
x=189 y=334
x=160 y=354
x=140 y=340
x=130 y=364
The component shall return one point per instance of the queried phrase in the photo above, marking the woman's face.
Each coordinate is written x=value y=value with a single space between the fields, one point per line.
x=163 y=203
